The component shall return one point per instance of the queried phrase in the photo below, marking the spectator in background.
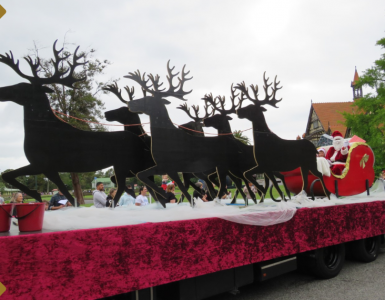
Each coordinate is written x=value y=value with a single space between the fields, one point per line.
x=126 y=199
x=170 y=194
x=1 y=199
x=99 y=196
x=54 y=203
x=17 y=198
x=252 y=188
x=110 y=197
x=141 y=200
x=204 y=185
x=46 y=204
x=202 y=194
x=164 y=182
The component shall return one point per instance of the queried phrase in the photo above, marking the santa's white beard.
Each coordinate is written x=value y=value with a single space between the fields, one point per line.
x=338 y=144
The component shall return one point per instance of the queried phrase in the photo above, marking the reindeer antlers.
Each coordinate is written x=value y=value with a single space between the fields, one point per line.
x=113 y=88
x=185 y=108
x=58 y=74
x=154 y=89
x=218 y=103
x=269 y=99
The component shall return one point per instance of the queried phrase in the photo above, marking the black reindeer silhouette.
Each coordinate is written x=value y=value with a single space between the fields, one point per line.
x=195 y=128
x=72 y=150
x=124 y=116
x=271 y=153
x=222 y=124
x=174 y=150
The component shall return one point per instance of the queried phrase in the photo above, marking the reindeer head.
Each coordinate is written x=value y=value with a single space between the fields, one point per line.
x=122 y=115
x=221 y=121
x=255 y=111
x=150 y=104
x=27 y=93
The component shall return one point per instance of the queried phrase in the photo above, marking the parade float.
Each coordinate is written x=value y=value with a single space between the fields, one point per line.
x=190 y=250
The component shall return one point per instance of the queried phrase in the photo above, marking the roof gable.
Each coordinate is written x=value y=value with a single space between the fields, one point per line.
x=329 y=114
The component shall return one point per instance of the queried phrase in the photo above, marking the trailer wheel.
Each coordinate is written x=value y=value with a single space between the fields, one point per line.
x=366 y=250
x=329 y=261
x=382 y=243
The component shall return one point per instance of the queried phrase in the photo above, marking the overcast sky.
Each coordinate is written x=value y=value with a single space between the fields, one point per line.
x=313 y=47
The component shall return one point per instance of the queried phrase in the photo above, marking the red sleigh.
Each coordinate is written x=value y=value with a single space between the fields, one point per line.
x=357 y=177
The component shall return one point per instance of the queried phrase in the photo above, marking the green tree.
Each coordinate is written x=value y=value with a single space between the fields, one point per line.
x=238 y=134
x=82 y=102
x=368 y=119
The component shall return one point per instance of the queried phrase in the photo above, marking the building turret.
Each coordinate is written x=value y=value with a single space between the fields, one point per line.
x=357 y=91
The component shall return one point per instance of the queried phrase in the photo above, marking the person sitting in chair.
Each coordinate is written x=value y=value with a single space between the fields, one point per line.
x=338 y=154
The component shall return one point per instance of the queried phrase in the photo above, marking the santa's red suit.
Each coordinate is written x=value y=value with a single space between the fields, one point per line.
x=337 y=158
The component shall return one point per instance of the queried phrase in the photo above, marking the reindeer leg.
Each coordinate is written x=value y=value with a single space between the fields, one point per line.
x=235 y=196
x=238 y=183
x=10 y=177
x=210 y=181
x=275 y=184
x=120 y=176
x=55 y=178
x=143 y=176
x=304 y=174
x=249 y=176
x=222 y=181
x=318 y=174
x=113 y=179
x=251 y=193
x=280 y=176
x=174 y=176
x=187 y=183
x=150 y=190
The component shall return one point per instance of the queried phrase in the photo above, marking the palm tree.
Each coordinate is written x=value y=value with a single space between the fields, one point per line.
x=239 y=136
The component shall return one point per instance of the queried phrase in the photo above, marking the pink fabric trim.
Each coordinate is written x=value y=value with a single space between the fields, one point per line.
x=96 y=263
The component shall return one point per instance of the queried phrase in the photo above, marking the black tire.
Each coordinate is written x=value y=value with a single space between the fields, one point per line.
x=329 y=261
x=382 y=243
x=366 y=250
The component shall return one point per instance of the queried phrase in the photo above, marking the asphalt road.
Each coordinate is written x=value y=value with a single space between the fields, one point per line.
x=357 y=281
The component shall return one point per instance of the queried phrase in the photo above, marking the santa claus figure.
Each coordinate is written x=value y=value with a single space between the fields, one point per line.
x=337 y=154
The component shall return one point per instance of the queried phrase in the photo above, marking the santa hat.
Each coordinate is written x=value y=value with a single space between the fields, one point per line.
x=322 y=149
x=336 y=133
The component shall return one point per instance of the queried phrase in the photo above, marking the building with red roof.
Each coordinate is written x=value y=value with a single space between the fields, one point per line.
x=326 y=117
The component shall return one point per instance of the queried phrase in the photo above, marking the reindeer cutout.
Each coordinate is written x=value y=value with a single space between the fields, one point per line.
x=222 y=124
x=195 y=128
x=271 y=153
x=124 y=116
x=72 y=150
x=174 y=150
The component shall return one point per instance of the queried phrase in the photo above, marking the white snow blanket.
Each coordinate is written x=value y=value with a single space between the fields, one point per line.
x=262 y=214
